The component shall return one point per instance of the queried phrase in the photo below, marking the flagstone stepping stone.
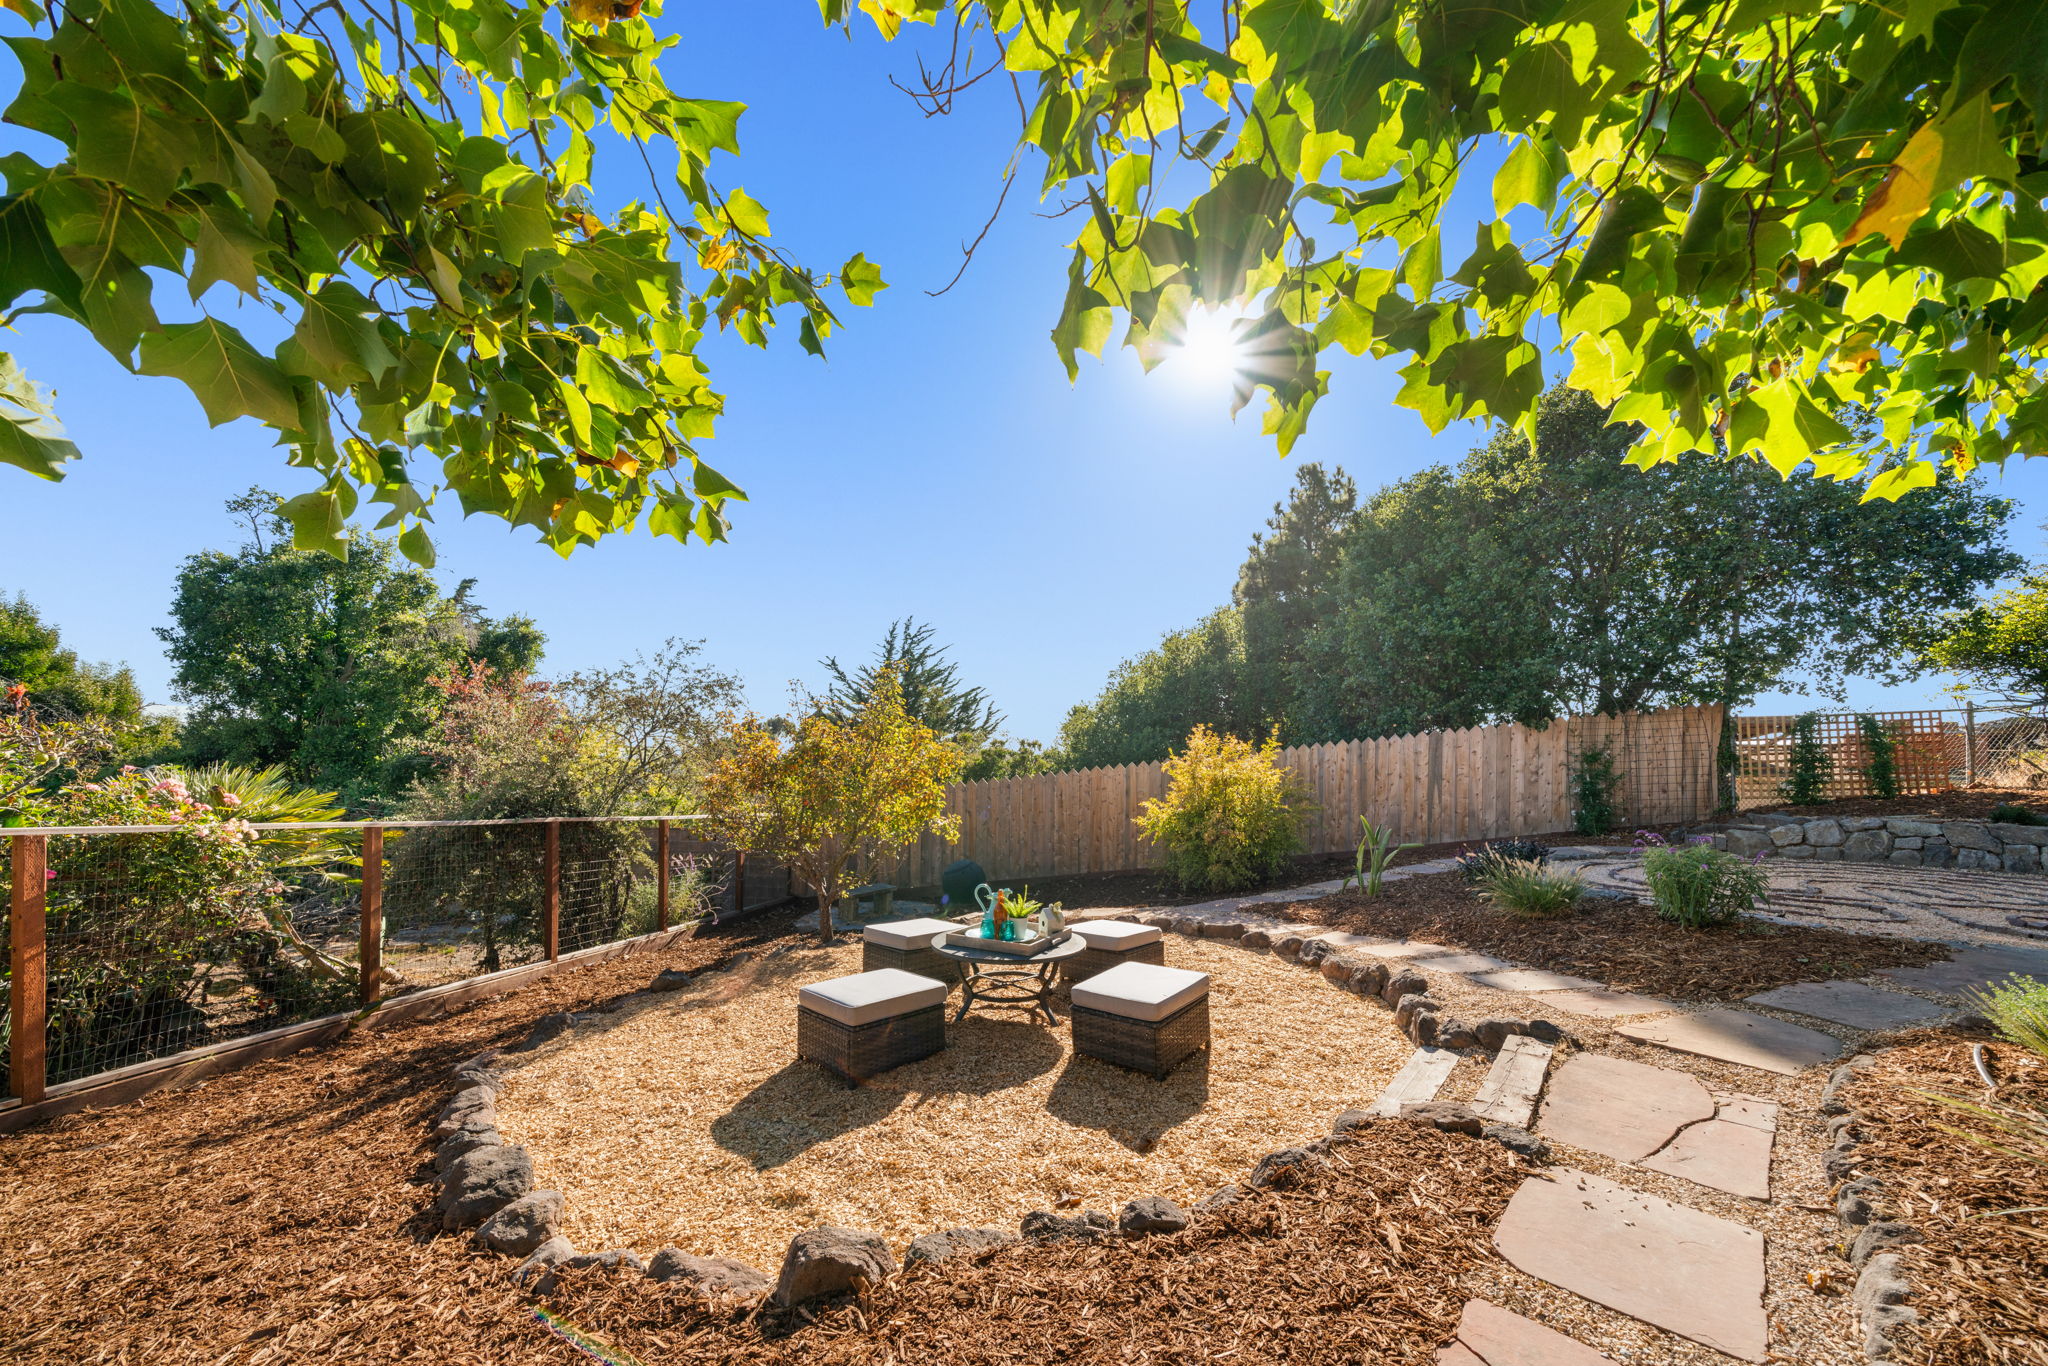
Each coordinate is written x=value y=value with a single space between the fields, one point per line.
x=1851 y=1003
x=1669 y=1265
x=1727 y=1154
x=1460 y=962
x=1604 y=1004
x=1741 y=1037
x=1621 y=1109
x=1508 y=1094
x=1534 y=979
x=1410 y=948
x=1489 y=1335
x=1338 y=939
x=1419 y=1079
x=1972 y=969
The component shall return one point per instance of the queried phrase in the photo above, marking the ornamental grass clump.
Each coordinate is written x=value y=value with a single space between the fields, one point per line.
x=2018 y=1009
x=1232 y=813
x=1697 y=885
x=1527 y=888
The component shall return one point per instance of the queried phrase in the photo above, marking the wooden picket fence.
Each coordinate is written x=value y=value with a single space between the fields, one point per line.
x=1434 y=787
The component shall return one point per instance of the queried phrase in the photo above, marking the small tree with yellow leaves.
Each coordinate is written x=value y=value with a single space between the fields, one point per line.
x=1231 y=815
x=831 y=796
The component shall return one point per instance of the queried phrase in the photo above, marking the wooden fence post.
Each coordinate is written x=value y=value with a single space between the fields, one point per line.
x=551 y=891
x=370 y=943
x=1969 y=744
x=28 y=1060
x=739 y=883
x=661 y=875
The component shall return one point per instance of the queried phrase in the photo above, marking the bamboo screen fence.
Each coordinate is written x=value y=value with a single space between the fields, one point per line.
x=1434 y=787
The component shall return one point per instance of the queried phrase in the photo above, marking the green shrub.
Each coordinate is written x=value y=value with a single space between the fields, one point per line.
x=1882 y=771
x=1809 y=766
x=1697 y=885
x=2018 y=1009
x=1594 y=783
x=1526 y=887
x=2017 y=815
x=1231 y=815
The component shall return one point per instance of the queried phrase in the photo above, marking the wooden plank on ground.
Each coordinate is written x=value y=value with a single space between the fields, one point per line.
x=1419 y=1079
x=1513 y=1083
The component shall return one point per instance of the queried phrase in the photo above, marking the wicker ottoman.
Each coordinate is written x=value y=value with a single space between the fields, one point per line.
x=868 y=1023
x=1111 y=942
x=907 y=944
x=1142 y=1016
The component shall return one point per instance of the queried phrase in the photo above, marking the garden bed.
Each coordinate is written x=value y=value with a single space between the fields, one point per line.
x=1154 y=887
x=1622 y=944
x=687 y=1119
x=1976 y=1281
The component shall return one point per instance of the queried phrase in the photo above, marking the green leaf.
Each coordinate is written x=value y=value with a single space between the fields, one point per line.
x=745 y=214
x=30 y=438
x=705 y=126
x=320 y=519
x=1794 y=426
x=709 y=483
x=1528 y=176
x=607 y=385
x=229 y=377
x=417 y=546
x=339 y=344
x=525 y=222
x=862 y=280
x=390 y=157
x=122 y=143
x=227 y=249
x=30 y=260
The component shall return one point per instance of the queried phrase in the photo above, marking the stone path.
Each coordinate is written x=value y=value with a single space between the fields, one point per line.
x=1687 y=1272
x=1677 y=1268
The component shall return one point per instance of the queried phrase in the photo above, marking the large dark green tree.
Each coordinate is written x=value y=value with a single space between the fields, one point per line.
x=1555 y=581
x=323 y=664
x=1153 y=700
x=1285 y=574
x=33 y=656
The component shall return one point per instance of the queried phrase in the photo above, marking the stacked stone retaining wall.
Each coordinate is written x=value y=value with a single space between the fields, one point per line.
x=1915 y=841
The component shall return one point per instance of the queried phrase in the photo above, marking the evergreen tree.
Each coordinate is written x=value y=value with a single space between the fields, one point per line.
x=932 y=692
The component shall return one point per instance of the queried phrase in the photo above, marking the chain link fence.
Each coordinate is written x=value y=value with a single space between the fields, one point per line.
x=126 y=944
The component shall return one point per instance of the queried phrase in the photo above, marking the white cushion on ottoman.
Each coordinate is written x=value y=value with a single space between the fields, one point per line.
x=907 y=934
x=1141 y=991
x=1115 y=934
x=869 y=996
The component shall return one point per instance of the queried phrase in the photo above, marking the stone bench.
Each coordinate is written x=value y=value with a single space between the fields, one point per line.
x=883 y=894
x=1111 y=942
x=863 y=1025
x=1142 y=1016
x=907 y=945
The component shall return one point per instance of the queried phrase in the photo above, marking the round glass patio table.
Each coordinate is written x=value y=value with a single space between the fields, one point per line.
x=992 y=977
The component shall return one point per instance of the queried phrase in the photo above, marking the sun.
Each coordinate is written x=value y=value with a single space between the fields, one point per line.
x=1207 y=353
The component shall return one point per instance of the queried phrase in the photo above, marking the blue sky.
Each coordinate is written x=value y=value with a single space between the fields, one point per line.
x=938 y=464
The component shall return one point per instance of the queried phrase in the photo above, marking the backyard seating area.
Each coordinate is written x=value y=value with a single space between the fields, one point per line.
x=724 y=1108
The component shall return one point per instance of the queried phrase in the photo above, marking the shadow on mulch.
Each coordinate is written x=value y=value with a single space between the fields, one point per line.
x=1624 y=945
x=1076 y=1097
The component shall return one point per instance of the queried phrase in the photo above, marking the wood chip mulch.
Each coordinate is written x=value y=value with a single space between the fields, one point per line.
x=1624 y=945
x=1978 y=1279
x=1361 y=1262
x=277 y=1216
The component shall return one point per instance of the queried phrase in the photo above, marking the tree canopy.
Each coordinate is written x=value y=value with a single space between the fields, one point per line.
x=2001 y=644
x=1531 y=583
x=911 y=662
x=32 y=656
x=323 y=665
x=409 y=190
x=1732 y=218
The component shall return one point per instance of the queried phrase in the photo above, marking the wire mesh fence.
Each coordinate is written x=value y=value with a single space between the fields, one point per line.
x=1926 y=751
x=128 y=944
